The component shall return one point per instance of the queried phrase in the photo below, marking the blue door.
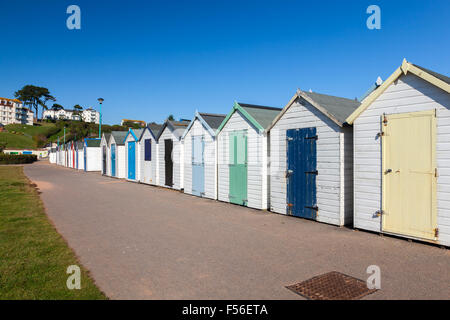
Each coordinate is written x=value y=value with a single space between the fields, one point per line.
x=301 y=172
x=113 y=160
x=198 y=166
x=132 y=160
x=85 y=162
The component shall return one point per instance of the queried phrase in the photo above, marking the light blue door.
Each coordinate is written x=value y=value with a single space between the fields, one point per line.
x=84 y=154
x=132 y=160
x=113 y=160
x=198 y=166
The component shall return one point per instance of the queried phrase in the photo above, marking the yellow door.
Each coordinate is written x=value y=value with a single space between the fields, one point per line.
x=409 y=174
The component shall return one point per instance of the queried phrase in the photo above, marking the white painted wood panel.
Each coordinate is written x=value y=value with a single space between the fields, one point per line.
x=197 y=129
x=408 y=94
x=333 y=148
x=256 y=175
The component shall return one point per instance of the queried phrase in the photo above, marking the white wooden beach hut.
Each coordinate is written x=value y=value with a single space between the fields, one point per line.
x=200 y=155
x=92 y=154
x=132 y=155
x=243 y=154
x=148 y=154
x=402 y=156
x=311 y=150
x=80 y=155
x=116 y=148
x=105 y=154
x=171 y=154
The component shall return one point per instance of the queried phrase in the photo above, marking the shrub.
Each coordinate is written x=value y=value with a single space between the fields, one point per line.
x=17 y=158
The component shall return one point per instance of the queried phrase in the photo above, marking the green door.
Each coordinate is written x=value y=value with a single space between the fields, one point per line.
x=238 y=167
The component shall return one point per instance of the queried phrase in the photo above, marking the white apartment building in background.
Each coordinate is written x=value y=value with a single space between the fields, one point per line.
x=13 y=111
x=87 y=115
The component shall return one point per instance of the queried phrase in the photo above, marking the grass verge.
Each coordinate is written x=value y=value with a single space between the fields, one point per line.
x=33 y=256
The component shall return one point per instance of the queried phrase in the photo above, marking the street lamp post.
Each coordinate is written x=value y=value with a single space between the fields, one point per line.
x=100 y=100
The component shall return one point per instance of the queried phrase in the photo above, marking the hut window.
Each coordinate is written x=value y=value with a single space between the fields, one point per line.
x=148 y=150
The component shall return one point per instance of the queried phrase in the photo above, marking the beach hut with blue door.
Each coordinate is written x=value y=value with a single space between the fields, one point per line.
x=105 y=155
x=148 y=150
x=242 y=144
x=132 y=155
x=171 y=154
x=92 y=154
x=311 y=150
x=116 y=147
x=402 y=156
x=80 y=155
x=200 y=161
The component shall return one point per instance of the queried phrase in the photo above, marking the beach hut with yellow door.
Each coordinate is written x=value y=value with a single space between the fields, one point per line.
x=402 y=156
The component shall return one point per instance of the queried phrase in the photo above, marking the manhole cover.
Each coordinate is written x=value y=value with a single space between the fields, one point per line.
x=332 y=286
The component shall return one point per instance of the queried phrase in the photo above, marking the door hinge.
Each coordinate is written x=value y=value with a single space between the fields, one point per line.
x=316 y=208
x=312 y=172
x=435 y=172
x=312 y=138
x=385 y=120
x=379 y=213
x=381 y=134
x=436 y=232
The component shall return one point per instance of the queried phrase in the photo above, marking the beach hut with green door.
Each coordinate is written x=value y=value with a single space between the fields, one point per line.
x=242 y=151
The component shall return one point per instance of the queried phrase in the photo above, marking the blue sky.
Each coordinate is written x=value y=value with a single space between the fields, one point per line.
x=149 y=59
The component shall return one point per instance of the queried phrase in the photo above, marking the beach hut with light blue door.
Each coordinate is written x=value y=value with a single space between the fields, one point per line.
x=200 y=161
x=242 y=144
x=92 y=154
x=132 y=154
x=311 y=150
x=116 y=147
x=148 y=151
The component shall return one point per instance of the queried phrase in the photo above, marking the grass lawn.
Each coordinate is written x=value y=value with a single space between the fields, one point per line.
x=17 y=141
x=33 y=256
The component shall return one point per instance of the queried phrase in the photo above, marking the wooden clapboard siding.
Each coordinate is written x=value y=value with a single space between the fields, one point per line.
x=197 y=129
x=147 y=168
x=120 y=162
x=176 y=156
x=408 y=94
x=256 y=185
x=80 y=159
x=333 y=187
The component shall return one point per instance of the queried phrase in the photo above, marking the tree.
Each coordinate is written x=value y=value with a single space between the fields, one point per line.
x=57 y=107
x=170 y=117
x=77 y=107
x=34 y=97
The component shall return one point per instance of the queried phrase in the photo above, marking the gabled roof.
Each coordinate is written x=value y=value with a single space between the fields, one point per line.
x=337 y=109
x=210 y=121
x=432 y=77
x=153 y=128
x=106 y=135
x=119 y=137
x=137 y=133
x=260 y=116
x=177 y=128
x=92 y=142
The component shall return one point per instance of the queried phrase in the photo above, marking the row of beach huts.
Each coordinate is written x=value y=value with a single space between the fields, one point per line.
x=380 y=163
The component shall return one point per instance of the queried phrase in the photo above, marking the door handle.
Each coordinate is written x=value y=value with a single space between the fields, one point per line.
x=388 y=171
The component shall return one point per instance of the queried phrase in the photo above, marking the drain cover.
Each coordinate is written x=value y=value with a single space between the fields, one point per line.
x=332 y=286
